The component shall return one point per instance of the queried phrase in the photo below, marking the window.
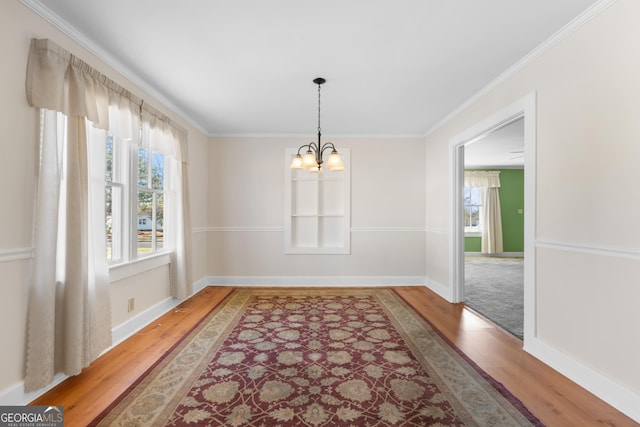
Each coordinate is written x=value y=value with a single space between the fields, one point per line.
x=135 y=194
x=113 y=200
x=150 y=202
x=473 y=197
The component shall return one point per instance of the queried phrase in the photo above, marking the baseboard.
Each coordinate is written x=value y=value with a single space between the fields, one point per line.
x=498 y=254
x=614 y=394
x=290 y=281
x=446 y=292
x=621 y=398
x=139 y=321
x=357 y=281
x=15 y=395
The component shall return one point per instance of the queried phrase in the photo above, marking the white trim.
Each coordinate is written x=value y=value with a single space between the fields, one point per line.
x=16 y=254
x=15 y=394
x=39 y=8
x=199 y=229
x=387 y=229
x=222 y=229
x=551 y=42
x=139 y=321
x=524 y=107
x=138 y=266
x=321 y=281
x=305 y=229
x=456 y=218
x=590 y=249
x=305 y=136
x=281 y=229
x=440 y=289
x=44 y=12
x=497 y=254
x=621 y=398
x=436 y=231
x=200 y=285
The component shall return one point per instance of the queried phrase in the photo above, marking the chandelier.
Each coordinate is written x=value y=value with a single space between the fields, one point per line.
x=312 y=160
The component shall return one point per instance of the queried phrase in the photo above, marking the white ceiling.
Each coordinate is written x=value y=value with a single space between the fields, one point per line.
x=502 y=148
x=246 y=66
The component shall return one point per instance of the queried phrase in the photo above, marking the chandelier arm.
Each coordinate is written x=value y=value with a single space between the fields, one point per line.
x=326 y=146
x=310 y=147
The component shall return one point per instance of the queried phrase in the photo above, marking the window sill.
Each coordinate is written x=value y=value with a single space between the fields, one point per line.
x=128 y=269
x=473 y=234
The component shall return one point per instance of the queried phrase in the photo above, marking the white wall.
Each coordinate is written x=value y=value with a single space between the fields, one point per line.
x=19 y=154
x=246 y=211
x=587 y=237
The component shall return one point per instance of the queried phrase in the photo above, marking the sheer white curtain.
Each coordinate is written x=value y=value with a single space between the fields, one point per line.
x=69 y=313
x=158 y=137
x=490 y=218
x=69 y=301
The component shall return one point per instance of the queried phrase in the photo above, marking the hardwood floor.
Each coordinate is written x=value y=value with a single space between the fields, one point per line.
x=551 y=397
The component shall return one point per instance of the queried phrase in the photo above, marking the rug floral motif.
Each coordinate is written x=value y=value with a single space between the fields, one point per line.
x=331 y=357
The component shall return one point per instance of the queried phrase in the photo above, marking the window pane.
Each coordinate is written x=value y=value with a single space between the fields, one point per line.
x=157 y=171
x=143 y=168
x=113 y=222
x=159 y=221
x=109 y=157
x=476 y=196
x=109 y=221
x=145 y=222
x=474 y=216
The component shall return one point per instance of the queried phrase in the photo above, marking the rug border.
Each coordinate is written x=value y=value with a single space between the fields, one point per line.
x=103 y=414
x=497 y=385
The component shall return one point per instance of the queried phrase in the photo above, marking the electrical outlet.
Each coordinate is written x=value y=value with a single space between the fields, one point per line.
x=131 y=304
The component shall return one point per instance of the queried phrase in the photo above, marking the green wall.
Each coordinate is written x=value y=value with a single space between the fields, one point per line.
x=511 y=200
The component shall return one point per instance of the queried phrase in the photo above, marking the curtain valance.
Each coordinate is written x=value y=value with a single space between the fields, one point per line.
x=59 y=81
x=484 y=179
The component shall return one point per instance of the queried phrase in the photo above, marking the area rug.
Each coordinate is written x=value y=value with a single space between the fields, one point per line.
x=494 y=287
x=315 y=357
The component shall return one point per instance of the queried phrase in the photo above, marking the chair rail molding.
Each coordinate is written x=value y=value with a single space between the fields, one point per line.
x=16 y=254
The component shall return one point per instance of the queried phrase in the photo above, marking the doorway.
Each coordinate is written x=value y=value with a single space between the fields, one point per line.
x=494 y=226
x=524 y=110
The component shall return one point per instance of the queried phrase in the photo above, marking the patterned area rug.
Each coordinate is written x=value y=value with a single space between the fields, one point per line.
x=310 y=357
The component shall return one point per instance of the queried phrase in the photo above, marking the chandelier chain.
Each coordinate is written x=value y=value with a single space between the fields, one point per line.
x=319 y=109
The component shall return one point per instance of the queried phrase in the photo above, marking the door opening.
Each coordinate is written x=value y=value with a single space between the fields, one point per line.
x=523 y=109
x=493 y=210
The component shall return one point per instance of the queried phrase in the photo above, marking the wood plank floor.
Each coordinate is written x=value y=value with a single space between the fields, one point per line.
x=551 y=397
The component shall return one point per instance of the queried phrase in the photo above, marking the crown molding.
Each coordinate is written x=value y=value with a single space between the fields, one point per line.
x=586 y=16
x=39 y=8
x=311 y=136
x=48 y=15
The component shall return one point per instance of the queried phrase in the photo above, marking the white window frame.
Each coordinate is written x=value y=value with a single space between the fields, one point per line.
x=133 y=200
x=470 y=231
x=125 y=180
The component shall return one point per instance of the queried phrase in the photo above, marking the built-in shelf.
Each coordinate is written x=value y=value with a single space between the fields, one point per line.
x=317 y=209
